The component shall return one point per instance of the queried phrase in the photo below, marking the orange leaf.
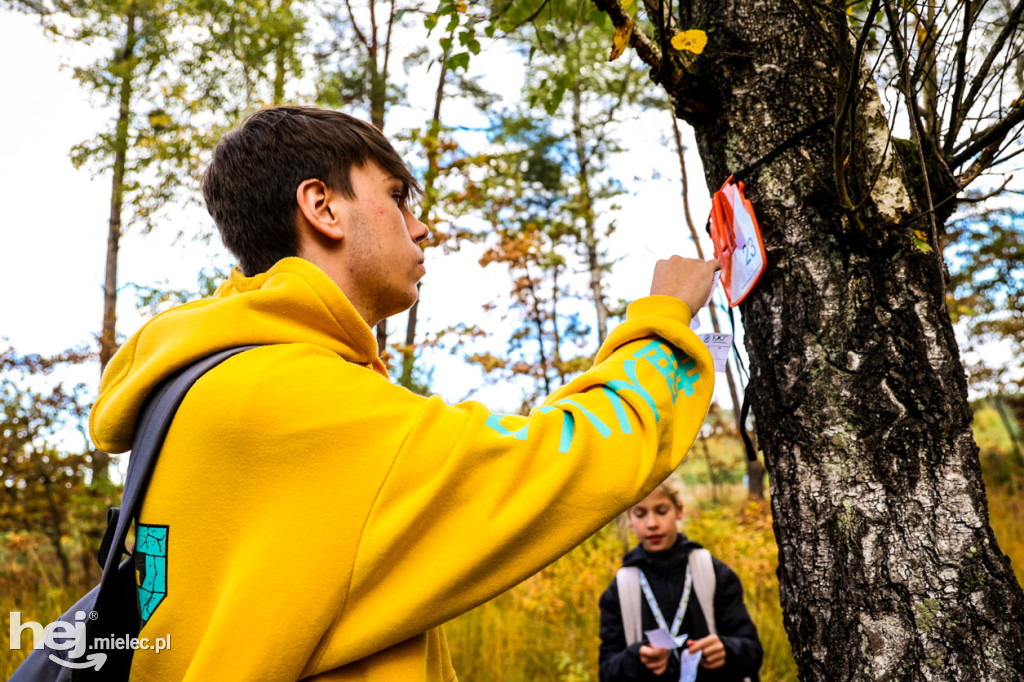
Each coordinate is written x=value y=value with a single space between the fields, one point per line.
x=621 y=39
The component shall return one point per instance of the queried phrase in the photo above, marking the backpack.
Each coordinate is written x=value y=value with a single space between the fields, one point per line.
x=111 y=609
x=627 y=580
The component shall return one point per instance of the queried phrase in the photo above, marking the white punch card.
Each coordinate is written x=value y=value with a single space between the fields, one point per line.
x=719 y=345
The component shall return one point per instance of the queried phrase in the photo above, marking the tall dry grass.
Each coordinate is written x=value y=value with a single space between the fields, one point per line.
x=545 y=629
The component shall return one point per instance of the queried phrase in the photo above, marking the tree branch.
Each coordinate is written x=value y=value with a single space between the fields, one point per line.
x=638 y=40
x=959 y=80
x=1012 y=22
x=355 y=26
x=994 y=135
x=917 y=132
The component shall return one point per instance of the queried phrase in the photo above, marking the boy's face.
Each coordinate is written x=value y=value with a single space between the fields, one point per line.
x=381 y=257
x=654 y=520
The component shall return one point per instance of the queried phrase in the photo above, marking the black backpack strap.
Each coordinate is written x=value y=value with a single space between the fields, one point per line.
x=150 y=430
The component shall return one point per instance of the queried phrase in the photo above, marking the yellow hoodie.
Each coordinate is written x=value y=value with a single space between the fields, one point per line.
x=307 y=518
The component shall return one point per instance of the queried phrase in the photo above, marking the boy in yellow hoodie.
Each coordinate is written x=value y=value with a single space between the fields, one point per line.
x=308 y=519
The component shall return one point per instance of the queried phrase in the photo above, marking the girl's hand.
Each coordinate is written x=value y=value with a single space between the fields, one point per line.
x=714 y=651
x=655 y=658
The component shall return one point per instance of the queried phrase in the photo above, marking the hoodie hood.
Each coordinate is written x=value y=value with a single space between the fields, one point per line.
x=293 y=302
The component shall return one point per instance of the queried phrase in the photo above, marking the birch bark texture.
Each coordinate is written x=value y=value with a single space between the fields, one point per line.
x=887 y=564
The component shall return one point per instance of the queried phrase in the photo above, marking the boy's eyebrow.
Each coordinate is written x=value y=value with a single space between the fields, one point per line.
x=388 y=177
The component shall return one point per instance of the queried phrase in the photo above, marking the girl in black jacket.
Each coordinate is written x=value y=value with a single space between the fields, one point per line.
x=732 y=655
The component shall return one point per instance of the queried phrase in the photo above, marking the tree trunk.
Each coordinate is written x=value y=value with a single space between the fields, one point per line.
x=888 y=568
x=378 y=108
x=433 y=154
x=108 y=333
x=1016 y=457
x=589 y=220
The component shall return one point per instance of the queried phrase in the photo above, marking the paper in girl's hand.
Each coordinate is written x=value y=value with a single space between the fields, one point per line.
x=662 y=639
x=688 y=665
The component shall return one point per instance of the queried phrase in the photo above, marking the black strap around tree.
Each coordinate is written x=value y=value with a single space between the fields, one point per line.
x=747 y=442
x=740 y=175
x=790 y=142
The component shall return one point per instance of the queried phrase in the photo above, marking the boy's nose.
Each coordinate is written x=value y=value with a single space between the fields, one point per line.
x=417 y=228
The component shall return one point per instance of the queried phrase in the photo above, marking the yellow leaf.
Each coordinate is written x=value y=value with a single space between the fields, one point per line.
x=621 y=39
x=626 y=4
x=460 y=6
x=693 y=41
x=921 y=241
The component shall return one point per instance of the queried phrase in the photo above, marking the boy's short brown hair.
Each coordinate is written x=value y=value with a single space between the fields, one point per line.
x=250 y=184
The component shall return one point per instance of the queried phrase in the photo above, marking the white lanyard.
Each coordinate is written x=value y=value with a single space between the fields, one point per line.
x=652 y=602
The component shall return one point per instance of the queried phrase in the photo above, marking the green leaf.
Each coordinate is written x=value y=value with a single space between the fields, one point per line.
x=460 y=60
x=399 y=14
x=474 y=46
x=446 y=44
x=430 y=22
x=552 y=103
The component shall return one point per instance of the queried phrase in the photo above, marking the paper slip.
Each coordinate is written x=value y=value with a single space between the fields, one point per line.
x=695 y=320
x=662 y=639
x=719 y=345
x=688 y=666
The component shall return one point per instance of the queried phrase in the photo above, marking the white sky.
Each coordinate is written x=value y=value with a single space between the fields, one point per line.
x=54 y=219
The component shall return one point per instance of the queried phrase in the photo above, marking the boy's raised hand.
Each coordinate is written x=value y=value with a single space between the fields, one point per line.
x=688 y=279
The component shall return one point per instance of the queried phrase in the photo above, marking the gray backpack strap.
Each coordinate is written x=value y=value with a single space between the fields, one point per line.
x=703 y=571
x=627 y=580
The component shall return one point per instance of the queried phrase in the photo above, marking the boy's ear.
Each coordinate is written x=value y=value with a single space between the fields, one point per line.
x=318 y=205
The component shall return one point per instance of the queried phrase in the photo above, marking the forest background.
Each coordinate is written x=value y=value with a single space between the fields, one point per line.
x=552 y=195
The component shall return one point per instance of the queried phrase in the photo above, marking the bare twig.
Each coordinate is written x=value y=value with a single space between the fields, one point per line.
x=648 y=52
x=355 y=26
x=1012 y=22
x=848 y=105
x=959 y=80
x=993 y=135
x=916 y=132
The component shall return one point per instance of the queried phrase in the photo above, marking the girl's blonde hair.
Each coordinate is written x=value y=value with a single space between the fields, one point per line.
x=671 y=489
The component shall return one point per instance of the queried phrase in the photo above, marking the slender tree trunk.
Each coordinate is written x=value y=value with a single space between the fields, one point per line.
x=755 y=470
x=1018 y=458
x=279 y=72
x=433 y=154
x=589 y=226
x=378 y=108
x=888 y=568
x=108 y=333
x=55 y=531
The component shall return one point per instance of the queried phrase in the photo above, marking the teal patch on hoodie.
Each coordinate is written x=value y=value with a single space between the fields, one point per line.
x=150 y=567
